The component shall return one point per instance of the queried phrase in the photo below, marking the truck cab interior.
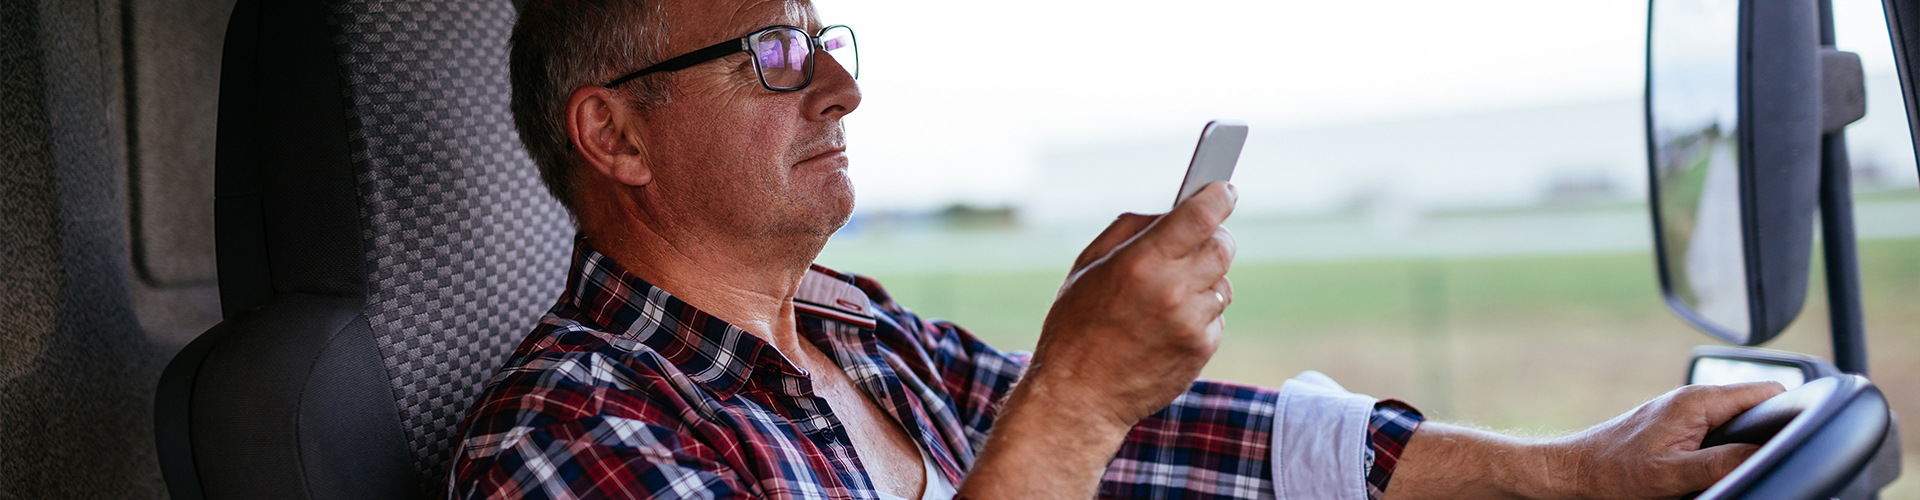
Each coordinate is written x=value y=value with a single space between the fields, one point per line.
x=274 y=249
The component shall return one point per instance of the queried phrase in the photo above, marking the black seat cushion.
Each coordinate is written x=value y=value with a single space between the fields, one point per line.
x=384 y=244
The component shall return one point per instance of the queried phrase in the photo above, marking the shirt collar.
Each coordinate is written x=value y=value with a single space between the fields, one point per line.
x=714 y=353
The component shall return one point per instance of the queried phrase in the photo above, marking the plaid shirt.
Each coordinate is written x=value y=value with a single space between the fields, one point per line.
x=624 y=391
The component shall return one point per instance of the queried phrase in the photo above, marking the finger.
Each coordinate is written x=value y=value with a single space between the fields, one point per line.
x=1218 y=250
x=1206 y=305
x=1122 y=229
x=1722 y=403
x=1222 y=293
x=1191 y=223
x=1708 y=466
x=1207 y=264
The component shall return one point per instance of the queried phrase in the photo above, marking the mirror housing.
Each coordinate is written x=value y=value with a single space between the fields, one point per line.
x=1733 y=209
x=1721 y=365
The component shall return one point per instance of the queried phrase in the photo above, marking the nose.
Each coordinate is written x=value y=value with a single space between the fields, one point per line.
x=834 y=93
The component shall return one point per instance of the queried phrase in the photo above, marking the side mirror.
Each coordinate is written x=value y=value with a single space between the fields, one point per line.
x=1734 y=125
x=1719 y=365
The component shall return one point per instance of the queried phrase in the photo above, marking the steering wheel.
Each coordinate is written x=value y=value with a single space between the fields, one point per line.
x=1813 y=440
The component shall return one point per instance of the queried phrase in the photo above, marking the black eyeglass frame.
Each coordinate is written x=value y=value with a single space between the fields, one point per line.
x=745 y=44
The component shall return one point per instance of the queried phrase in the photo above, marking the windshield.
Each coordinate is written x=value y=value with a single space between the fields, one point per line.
x=1444 y=202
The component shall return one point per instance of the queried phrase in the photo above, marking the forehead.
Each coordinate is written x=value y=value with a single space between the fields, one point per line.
x=698 y=23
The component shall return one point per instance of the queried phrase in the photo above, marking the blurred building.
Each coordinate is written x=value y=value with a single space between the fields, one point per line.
x=1579 y=153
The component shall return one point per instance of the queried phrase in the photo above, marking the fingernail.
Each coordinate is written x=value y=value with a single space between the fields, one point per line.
x=1233 y=191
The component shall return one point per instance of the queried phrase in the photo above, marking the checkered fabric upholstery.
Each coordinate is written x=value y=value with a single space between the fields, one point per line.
x=464 y=248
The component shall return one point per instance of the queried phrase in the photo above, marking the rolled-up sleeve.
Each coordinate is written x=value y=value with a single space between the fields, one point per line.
x=1325 y=442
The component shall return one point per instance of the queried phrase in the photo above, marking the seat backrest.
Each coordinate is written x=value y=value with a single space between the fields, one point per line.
x=383 y=241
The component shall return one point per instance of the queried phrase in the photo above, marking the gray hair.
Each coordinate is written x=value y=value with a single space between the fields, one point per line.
x=562 y=45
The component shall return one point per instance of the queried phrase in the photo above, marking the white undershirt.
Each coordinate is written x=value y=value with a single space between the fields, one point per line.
x=937 y=486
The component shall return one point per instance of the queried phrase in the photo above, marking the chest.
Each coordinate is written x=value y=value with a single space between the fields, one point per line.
x=889 y=456
x=838 y=416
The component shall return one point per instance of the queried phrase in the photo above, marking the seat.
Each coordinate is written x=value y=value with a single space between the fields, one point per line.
x=383 y=244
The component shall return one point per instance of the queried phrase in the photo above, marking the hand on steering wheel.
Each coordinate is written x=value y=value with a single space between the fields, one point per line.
x=1824 y=432
x=1655 y=450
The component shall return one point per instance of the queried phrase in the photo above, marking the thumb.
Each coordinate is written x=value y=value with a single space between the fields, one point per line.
x=1715 y=463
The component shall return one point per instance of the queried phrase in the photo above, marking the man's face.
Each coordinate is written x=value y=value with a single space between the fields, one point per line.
x=729 y=154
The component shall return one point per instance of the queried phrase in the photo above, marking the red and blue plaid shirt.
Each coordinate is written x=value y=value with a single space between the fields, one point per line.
x=624 y=391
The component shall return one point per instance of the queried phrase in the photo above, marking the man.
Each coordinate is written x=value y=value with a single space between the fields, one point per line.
x=696 y=353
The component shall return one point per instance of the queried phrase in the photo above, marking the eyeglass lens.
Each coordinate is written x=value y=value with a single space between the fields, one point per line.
x=786 y=59
x=838 y=42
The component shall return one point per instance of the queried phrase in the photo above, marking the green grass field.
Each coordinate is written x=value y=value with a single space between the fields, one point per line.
x=1535 y=345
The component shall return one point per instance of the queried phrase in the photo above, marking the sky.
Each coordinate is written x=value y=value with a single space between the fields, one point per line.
x=961 y=98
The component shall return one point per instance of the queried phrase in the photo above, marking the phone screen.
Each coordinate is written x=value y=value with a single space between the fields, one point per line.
x=1214 y=158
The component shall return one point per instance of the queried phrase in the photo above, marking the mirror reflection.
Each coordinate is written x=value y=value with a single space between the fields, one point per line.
x=1693 y=109
x=1723 y=371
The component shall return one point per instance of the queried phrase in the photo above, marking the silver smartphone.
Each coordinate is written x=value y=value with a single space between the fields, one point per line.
x=1214 y=158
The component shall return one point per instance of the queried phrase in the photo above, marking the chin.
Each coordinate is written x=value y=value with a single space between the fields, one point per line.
x=835 y=215
x=825 y=209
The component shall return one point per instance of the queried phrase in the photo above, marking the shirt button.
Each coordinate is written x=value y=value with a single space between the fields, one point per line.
x=829 y=437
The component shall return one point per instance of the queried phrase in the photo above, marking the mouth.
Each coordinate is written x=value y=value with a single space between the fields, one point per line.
x=828 y=155
x=828 y=150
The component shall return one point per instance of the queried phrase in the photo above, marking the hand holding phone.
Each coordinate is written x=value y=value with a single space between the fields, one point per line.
x=1214 y=158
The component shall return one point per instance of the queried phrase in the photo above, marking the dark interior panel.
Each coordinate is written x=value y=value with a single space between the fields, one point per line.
x=173 y=93
x=100 y=289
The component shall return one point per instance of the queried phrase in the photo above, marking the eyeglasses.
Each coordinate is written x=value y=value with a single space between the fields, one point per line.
x=782 y=56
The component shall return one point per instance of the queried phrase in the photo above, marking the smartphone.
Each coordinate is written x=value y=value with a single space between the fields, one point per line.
x=1214 y=158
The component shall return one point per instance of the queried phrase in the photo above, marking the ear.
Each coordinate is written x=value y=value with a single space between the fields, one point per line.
x=600 y=126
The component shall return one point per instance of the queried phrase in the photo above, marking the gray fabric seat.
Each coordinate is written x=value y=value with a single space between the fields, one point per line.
x=383 y=244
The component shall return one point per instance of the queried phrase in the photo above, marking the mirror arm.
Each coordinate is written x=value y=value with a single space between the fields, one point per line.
x=1843 y=100
x=1842 y=266
x=1843 y=90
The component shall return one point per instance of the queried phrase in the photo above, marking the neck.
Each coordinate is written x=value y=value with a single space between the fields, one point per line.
x=747 y=282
